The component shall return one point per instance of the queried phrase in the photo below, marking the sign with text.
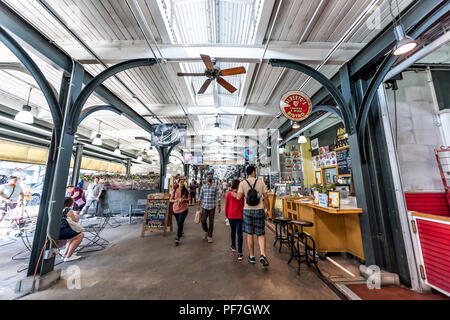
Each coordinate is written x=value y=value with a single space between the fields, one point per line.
x=168 y=134
x=296 y=105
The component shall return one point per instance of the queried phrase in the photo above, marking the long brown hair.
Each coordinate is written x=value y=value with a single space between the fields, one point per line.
x=184 y=190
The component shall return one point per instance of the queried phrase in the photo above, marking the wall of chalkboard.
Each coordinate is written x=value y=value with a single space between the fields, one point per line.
x=344 y=162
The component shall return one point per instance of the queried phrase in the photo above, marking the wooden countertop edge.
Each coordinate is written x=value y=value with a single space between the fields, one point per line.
x=429 y=216
x=330 y=210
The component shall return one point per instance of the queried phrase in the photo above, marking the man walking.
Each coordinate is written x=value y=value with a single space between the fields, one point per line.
x=256 y=209
x=209 y=196
x=11 y=194
x=93 y=194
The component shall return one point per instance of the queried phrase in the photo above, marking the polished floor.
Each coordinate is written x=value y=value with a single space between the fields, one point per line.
x=154 y=268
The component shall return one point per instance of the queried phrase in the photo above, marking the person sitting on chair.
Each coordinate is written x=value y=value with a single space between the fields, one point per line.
x=10 y=195
x=67 y=233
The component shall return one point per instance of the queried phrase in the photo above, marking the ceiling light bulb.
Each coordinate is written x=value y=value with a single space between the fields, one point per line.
x=295 y=125
x=139 y=158
x=280 y=139
x=117 y=151
x=302 y=139
x=405 y=44
x=25 y=115
x=97 y=140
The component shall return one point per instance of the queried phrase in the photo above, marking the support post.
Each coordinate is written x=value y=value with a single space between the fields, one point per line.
x=128 y=167
x=77 y=163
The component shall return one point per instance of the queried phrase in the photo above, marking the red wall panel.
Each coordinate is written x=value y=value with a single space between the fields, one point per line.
x=435 y=245
x=431 y=203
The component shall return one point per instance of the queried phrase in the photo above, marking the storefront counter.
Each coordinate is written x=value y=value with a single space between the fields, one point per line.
x=334 y=230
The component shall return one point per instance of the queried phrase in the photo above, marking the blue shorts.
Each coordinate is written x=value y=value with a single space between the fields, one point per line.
x=67 y=233
x=78 y=208
x=254 y=222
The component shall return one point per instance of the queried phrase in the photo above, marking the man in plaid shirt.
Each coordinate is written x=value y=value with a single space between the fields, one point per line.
x=209 y=196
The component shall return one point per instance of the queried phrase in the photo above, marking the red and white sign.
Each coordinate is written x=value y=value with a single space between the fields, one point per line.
x=296 y=105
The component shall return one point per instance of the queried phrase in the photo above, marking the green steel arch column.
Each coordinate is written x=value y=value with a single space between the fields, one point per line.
x=98 y=81
x=349 y=121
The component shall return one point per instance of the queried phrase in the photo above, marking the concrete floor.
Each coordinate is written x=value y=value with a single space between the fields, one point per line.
x=153 y=268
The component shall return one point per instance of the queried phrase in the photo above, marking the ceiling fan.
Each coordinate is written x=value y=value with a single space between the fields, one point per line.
x=214 y=74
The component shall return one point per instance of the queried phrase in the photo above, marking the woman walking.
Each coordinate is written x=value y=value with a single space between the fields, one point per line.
x=234 y=211
x=180 y=200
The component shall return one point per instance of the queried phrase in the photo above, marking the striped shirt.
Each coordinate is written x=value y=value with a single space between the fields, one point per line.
x=209 y=196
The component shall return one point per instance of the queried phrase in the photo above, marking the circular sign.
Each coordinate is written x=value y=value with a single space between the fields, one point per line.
x=296 y=105
x=248 y=154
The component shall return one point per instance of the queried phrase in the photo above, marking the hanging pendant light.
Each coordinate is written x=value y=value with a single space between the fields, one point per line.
x=25 y=115
x=295 y=125
x=117 y=151
x=302 y=139
x=405 y=43
x=98 y=138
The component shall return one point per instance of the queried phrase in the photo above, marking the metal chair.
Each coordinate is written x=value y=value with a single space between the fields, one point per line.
x=92 y=236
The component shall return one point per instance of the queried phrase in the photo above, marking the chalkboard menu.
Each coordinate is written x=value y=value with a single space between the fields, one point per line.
x=344 y=162
x=156 y=211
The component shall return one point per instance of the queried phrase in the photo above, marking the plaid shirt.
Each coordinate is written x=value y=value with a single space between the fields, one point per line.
x=209 y=196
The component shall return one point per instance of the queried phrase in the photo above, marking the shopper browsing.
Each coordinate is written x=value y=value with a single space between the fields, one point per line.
x=180 y=200
x=192 y=192
x=93 y=194
x=255 y=210
x=209 y=196
x=66 y=232
x=79 y=201
x=234 y=210
x=11 y=194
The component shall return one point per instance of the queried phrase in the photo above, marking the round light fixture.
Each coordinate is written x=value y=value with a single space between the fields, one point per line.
x=295 y=125
x=25 y=115
x=405 y=44
x=117 y=151
x=139 y=158
x=97 y=140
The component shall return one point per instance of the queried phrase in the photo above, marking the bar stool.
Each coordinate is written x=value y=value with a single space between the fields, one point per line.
x=281 y=226
x=301 y=239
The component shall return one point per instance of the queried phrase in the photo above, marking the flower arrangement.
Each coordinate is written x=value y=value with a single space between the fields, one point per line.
x=124 y=182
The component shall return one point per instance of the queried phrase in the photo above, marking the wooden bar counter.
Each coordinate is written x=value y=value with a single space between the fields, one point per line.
x=334 y=230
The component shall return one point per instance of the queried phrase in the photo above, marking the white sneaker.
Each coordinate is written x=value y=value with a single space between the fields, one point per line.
x=72 y=258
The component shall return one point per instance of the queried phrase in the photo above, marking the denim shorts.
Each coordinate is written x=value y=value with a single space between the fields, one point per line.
x=254 y=222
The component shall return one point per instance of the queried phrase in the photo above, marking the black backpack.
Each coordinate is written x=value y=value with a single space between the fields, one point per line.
x=252 y=198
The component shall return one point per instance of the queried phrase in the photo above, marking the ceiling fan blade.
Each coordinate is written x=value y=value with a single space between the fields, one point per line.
x=205 y=86
x=226 y=85
x=207 y=61
x=181 y=74
x=232 y=71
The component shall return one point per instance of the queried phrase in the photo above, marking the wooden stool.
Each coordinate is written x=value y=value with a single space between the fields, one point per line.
x=281 y=226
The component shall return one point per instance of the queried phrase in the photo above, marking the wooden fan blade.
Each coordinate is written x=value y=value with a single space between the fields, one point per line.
x=226 y=85
x=207 y=61
x=232 y=71
x=205 y=86
x=181 y=74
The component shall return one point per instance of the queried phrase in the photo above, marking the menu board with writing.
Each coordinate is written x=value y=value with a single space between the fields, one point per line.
x=156 y=211
x=344 y=162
